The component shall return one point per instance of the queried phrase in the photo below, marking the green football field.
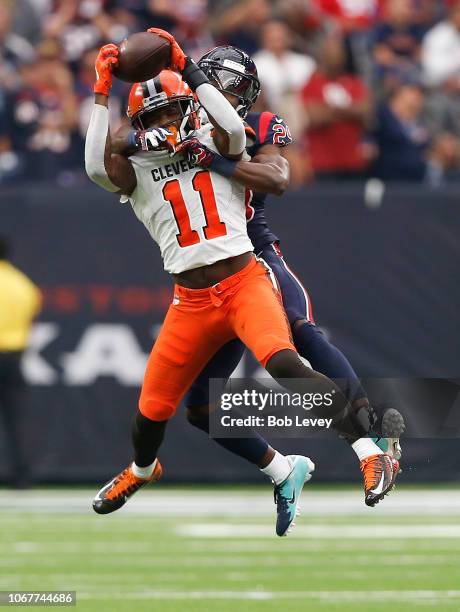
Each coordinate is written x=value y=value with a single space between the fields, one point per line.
x=175 y=550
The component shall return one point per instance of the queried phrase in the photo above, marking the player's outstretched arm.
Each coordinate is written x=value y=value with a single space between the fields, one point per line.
x=111 y=172
x=267 y=172
x=264 y=173
x=229 y=136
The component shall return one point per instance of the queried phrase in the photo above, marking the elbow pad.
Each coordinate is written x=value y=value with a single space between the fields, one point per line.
x=95 y=148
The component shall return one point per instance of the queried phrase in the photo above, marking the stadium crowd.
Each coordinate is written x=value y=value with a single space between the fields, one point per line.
x=368 y=87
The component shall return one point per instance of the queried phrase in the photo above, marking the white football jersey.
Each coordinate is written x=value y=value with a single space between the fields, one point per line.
x=196 y=216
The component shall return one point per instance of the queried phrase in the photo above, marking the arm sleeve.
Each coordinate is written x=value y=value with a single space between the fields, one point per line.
x=224 y=115
x=95 y=148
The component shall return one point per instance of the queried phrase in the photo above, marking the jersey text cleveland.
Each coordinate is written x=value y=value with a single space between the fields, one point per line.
x=170 y=170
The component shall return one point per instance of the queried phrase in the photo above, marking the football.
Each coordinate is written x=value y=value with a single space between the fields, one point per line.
x=142 y=56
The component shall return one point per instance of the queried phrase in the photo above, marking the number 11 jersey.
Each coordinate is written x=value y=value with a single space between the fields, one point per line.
x=196 y=216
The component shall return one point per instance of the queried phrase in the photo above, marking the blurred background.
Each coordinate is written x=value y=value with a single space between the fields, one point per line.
x=378 y=75
x=371 y=91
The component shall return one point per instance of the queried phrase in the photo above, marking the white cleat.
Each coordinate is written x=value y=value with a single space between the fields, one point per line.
x=287 y=494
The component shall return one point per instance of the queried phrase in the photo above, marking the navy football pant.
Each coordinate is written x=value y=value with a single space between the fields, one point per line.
x=310 y=342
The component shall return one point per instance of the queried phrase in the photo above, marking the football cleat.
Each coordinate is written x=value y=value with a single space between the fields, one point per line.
x=117 y=491
x=287 y=494
x=379 y=473
x=392 y=427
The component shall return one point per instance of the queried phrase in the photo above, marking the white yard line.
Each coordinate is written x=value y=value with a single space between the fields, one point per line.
x=266 y=567
x=421 y=596
x=159 y=502
x=330 y=532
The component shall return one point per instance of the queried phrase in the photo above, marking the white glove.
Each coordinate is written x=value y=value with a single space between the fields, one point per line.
x=151 y=139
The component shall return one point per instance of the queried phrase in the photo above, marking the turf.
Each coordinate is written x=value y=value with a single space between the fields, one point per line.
x=127 y=562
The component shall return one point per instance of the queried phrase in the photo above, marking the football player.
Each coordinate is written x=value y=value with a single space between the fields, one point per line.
x=234 y=73
x=222 y=292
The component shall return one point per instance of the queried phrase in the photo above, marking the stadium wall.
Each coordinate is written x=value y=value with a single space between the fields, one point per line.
x=384 y=285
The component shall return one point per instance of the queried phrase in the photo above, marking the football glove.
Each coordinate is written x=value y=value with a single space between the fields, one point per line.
x=177 y=55
x=200 y=155
x=106 y=60
x=152 y=139
x=197 y=153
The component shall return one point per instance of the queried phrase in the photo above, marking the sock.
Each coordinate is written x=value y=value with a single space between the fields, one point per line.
x=278 y=469
x=147 y=436
x=143 y=472
x=366 y=447
x=252 y=449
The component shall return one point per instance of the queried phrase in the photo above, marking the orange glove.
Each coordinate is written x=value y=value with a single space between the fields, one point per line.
x=177 y=55
x=106 y=60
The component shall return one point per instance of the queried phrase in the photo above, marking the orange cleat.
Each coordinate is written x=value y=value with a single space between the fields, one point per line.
x=379 y=473
x=117 y=491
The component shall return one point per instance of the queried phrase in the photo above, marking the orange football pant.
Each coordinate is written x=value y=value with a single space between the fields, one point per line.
x=199 y=322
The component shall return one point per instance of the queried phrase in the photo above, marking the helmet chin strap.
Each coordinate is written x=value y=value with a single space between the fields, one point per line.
x=242 y=110
x=185 y=127
x=183 y=131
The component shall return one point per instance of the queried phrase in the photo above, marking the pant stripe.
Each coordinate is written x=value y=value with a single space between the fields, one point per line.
x=308 y=308
x=271 y=274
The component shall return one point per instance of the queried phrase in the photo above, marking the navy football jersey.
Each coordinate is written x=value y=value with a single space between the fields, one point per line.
x=266 y=128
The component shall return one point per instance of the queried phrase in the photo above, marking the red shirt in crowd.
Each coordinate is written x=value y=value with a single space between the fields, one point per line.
x=351 y=14
x=337 y=146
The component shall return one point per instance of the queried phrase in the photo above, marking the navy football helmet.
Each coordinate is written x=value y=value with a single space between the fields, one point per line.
x=233 y=72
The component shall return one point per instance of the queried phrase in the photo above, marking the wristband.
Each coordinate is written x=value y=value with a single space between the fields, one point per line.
x=131 y=140
x=222 y=165
x=193 y=75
